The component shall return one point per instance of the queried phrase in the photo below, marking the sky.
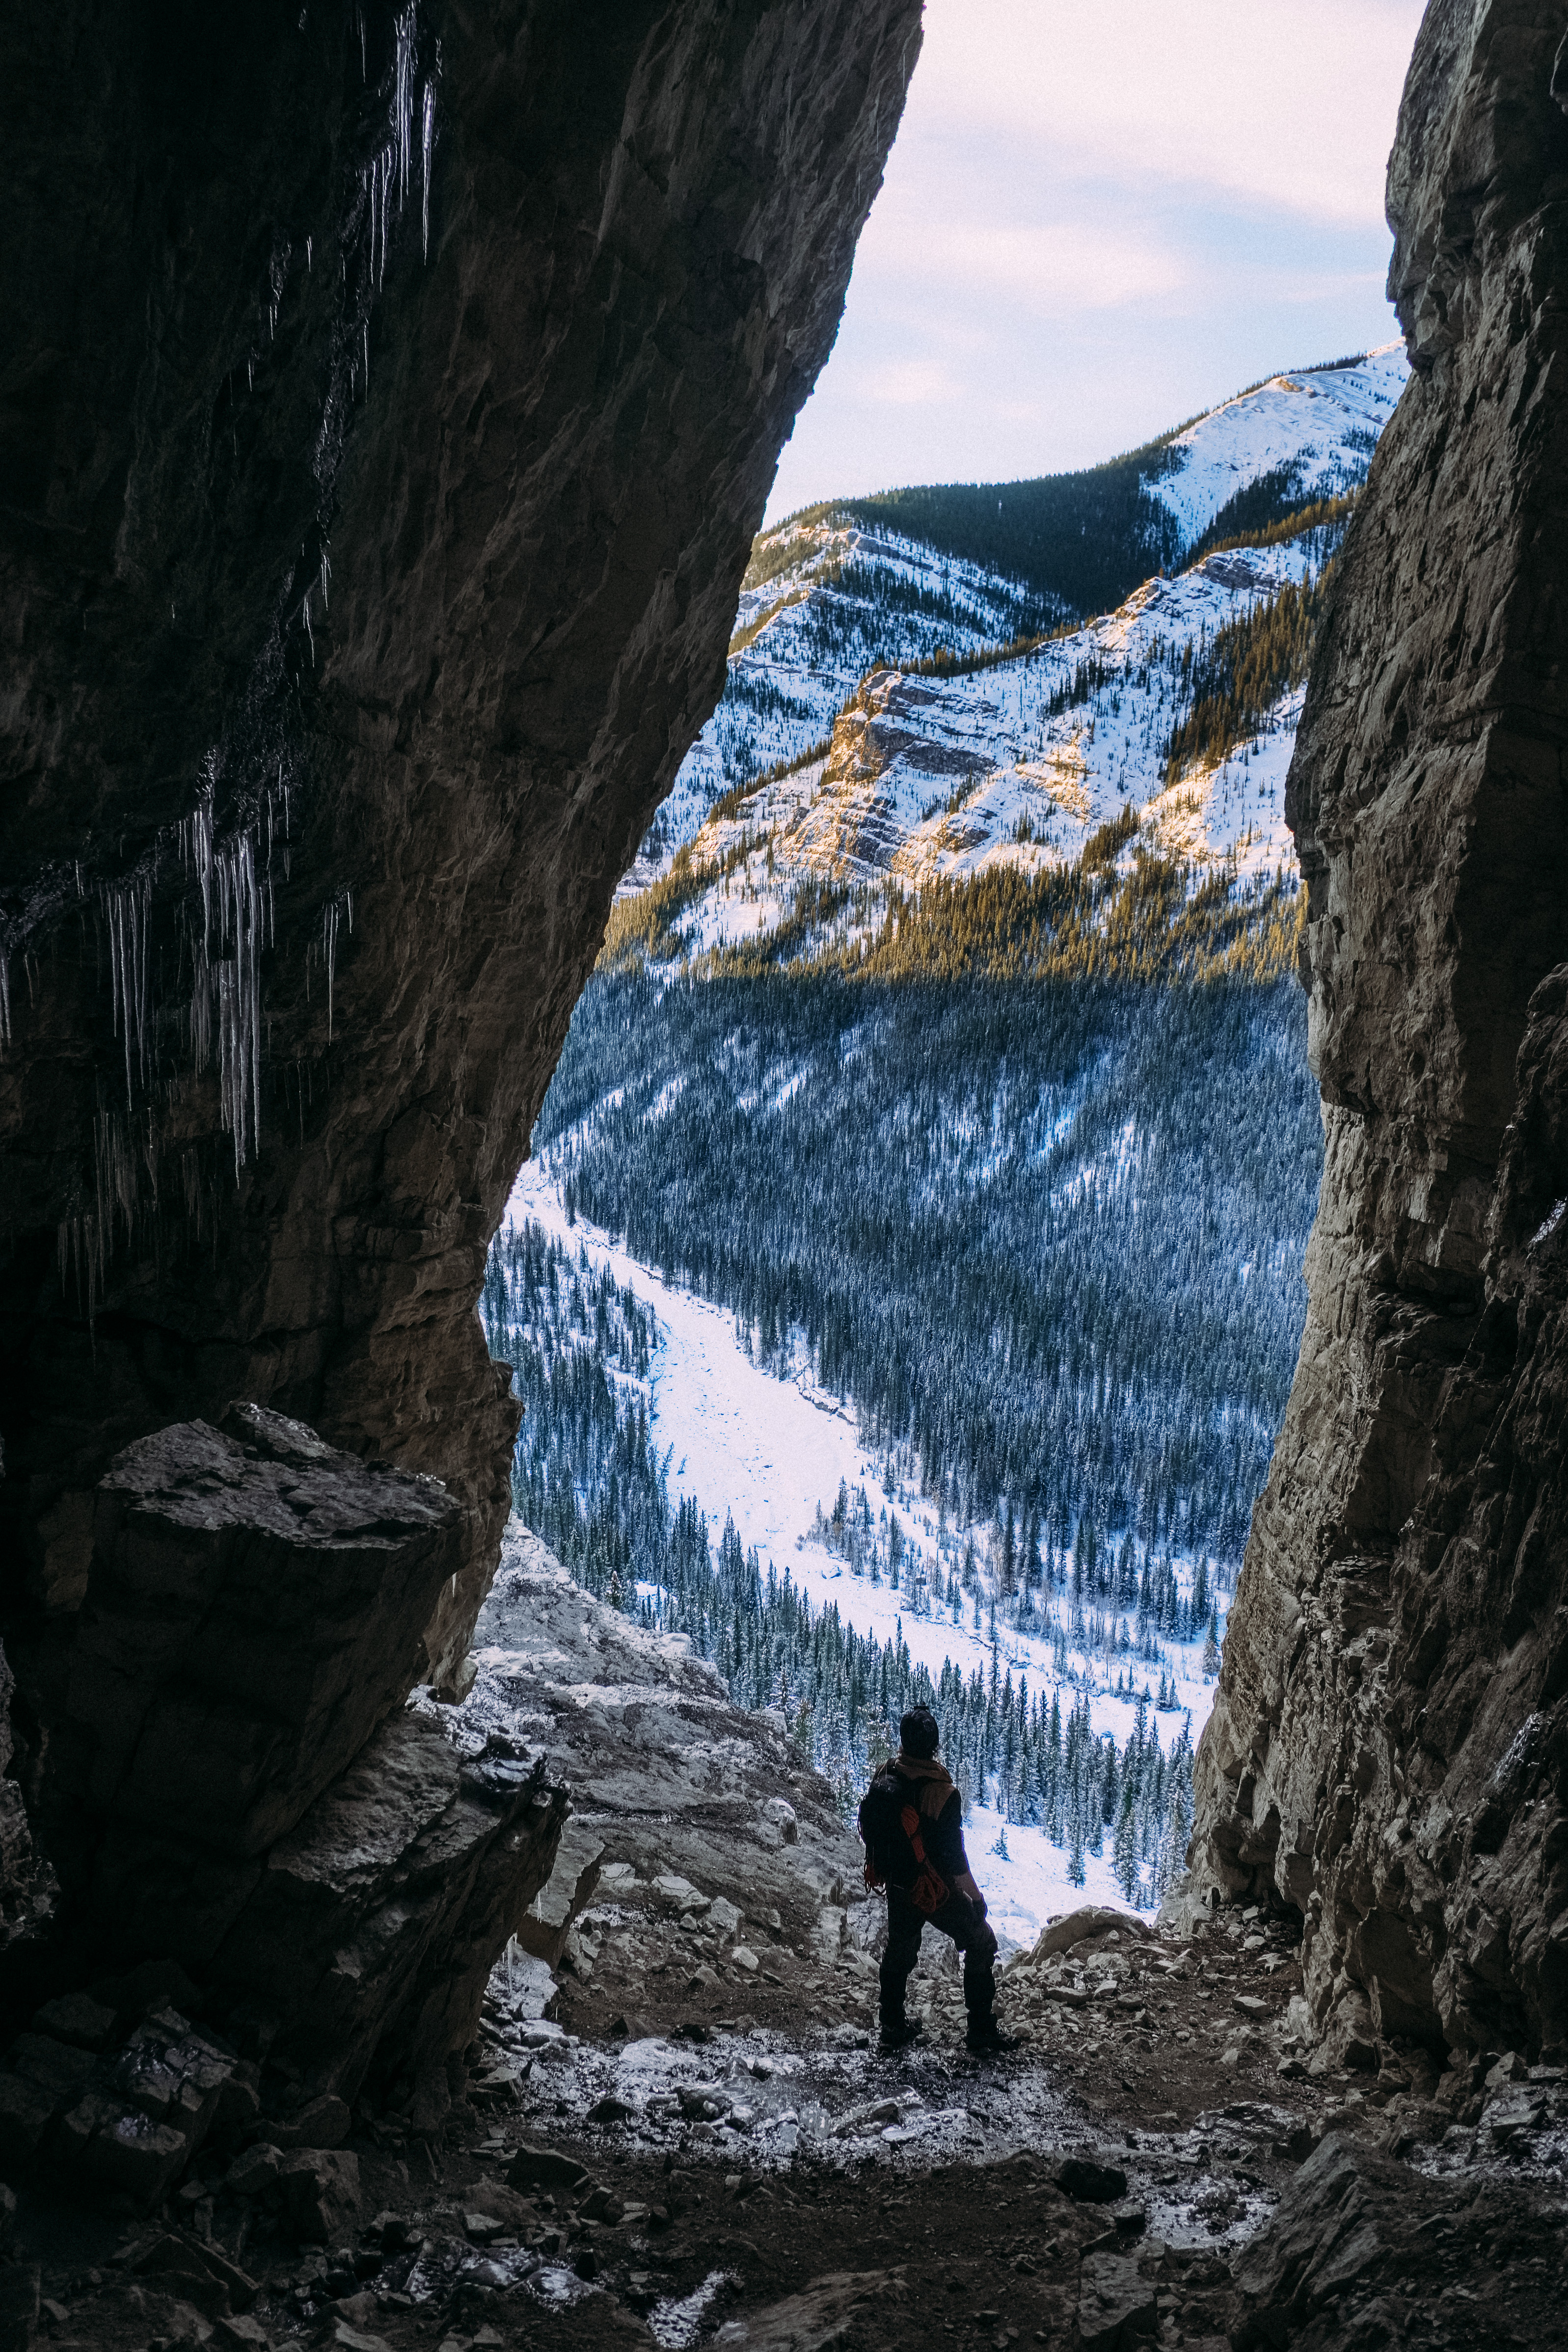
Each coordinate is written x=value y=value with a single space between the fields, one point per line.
x=1098 y=221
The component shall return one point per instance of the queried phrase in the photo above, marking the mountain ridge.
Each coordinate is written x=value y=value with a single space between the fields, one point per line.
x=896 y=714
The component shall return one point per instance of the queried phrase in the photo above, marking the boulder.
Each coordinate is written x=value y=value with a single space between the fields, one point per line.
x=611 y=2110
x=389 y=1896
x=778 y=1822
x=256 y=2171
x=832 y=2311
x=77 y=2017
x=667 y=1781
x=321 y=2123
x=547 y=2169
x=127 y=2117
x=319 y=2189
x=235 y=1649
x=1087 y=2182
x=118 y=2148
x=1090 y=1921
x=196 y=2270
x=1117 y=2306
x=1323 y=2237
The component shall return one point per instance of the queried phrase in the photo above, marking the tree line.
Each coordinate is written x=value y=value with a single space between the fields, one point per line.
x=587 y=1478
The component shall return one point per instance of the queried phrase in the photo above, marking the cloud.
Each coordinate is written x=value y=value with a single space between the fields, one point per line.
x=1289 y=102
x=1087 y=265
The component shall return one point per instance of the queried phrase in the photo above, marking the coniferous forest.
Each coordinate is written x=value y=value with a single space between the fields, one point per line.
x=1045 y=1236
x=1049 y=1236
x=589 y=1479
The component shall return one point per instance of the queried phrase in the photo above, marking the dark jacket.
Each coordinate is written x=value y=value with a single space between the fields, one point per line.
x=943 y=1838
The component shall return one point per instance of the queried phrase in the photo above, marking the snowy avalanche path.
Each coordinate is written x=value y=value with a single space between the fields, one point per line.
x=767 y=1453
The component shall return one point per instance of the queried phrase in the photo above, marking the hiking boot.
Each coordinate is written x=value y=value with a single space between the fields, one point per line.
x=985 y=2038
x=897 y=2034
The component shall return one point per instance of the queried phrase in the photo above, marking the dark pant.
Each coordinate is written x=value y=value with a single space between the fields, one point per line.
x=959 y=1918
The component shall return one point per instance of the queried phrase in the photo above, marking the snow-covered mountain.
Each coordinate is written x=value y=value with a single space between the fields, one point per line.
x=1319 y=428
x=1020 y=760
x=843 y=595
x=933 y=778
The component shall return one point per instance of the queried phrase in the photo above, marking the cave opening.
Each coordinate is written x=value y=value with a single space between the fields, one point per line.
x=402 y=653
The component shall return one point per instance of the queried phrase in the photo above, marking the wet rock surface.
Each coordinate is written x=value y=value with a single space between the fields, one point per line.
x=1385 y=1753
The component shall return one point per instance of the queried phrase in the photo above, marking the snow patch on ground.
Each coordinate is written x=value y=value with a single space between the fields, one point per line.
x=768 y=1454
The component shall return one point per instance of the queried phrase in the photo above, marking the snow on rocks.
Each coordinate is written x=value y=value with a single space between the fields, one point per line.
x=1323 y=423
x=940 y=779
x=675 y=1792
x=807 y=633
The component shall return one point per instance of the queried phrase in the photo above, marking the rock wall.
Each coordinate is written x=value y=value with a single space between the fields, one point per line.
x=250 y=1826
x=389 y=399
x=1389 y=1751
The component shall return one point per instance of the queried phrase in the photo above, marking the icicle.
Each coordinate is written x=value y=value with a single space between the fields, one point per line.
x=326 y=576
x=426 y=139
x=238 y=983
x=403 y=103
x=329 y=951
x=128 y=907
x=305 y=617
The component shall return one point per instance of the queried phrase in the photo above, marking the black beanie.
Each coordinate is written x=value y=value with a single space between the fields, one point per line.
x=917 y=1733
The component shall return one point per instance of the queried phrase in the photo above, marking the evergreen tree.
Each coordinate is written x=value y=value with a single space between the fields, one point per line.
x=1124 y=1852
x=1075 y=1849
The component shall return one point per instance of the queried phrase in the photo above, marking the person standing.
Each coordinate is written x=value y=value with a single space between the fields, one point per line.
x=911 y=1825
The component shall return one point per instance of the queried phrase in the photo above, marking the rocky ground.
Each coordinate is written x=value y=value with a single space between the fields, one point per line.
x=674 y=2129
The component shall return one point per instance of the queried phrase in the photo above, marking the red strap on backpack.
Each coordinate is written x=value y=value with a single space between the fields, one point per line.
x=929 y=1892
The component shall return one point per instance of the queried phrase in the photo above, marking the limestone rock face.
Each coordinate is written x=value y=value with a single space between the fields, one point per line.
x=390 y=397
x=667 y=1776
x=254 y=1608
x=1387 y=1749
x=247 y=1813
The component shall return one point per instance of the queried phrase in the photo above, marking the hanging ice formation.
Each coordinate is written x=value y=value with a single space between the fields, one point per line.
x=330 y=916
x=425 y=143
x=391 y=174
x=235 y=878
x=234 y=916
x=128 y=907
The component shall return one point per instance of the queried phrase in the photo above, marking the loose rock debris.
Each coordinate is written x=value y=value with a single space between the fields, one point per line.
x=652 y=2143
x=737 y=2187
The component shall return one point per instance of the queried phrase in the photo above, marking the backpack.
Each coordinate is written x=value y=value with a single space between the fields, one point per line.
x=895 y=1851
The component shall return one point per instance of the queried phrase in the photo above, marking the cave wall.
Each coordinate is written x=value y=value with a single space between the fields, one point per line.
x=1389 y=1748
x=387 y=403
